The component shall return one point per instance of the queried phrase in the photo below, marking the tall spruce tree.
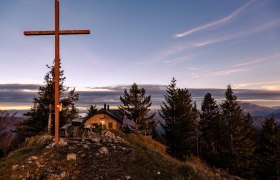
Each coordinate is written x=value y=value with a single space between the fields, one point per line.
x=247 y=150
x=180 y=117
x=136 y=106
x=169 y=113
x=210 y=128
x=185 y=128
x=42 y=110
x=269 y=151
x=238 y=131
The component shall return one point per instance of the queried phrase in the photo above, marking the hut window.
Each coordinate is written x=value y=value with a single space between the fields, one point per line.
x=110 y=125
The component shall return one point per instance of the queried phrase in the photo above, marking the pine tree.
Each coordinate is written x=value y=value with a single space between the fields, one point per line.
x=92 y=110
x=136 y=107
x=185 y=127
x=238 y=139
x=269 y=151
x=42 y=109
x=169 y=114
x=180 y=116
x=232 y=118
x=210 y=129
x=247 y=151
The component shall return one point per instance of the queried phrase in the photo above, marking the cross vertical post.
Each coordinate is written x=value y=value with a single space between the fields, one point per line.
x=57 y=32
x=57 y=59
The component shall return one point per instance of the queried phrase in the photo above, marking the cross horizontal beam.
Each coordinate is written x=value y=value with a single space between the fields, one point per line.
x=61 y=32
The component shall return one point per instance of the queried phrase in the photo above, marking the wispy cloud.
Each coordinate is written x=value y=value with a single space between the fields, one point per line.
x=173 y=49
x=194 y=68
x=258 y=60
x=194 y=75
x=20 y=100
x=271 y=87
x=228 y=72
x=179 y=60
x=178 y=48
x=267 y=85
x=218 y=22
x=18 y=87
x=251 y=30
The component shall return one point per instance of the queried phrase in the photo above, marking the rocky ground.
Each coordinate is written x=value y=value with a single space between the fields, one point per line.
x=102 y=156
x=99 y=157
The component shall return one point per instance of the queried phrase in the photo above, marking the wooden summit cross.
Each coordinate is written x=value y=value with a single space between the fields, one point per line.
x=56 y=33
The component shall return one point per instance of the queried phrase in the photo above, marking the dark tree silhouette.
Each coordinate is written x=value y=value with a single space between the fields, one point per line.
x=41 y=115
x=92 y=110
x=136 y=106
x=210 y=127
x=180 y=115
x=269 y=151
x=238 y=144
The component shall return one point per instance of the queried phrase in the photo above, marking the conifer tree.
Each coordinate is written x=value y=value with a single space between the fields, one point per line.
x=169 y=113
x=237 y=132
x=210 y=129
x=269 y=151
x=92 y=110
x=37 y=118
x=247 y=160
x=185 y=127
x=232 y=117
x=180 y=116
x=136 y=106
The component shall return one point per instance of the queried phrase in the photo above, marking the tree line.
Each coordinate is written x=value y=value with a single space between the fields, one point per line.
x=220 y=133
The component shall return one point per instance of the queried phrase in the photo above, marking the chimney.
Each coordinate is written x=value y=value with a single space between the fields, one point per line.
x=104 y=106
x=108 y=108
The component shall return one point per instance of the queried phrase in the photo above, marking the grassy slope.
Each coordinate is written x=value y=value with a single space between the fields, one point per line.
x=144 y=162
x=152 y=155
x=32 y=147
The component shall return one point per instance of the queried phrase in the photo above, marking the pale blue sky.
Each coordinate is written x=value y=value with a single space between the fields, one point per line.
x=203 y=43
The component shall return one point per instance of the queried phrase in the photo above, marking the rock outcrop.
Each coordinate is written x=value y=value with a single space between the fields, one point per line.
x=91 y=158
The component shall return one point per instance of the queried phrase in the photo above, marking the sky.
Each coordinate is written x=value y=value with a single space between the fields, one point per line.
x=202 y=43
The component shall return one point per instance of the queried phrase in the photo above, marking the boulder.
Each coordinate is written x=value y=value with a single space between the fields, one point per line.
x=103 y=150
x=109 y=134
x=14 y=167
x=62 y=142
x=71 y=156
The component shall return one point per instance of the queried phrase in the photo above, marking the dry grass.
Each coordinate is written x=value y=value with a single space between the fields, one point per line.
x=194 y=168
x=147 y=158
x=32 y=146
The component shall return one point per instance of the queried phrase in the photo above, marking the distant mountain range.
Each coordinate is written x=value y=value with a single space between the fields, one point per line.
x=263 y=111
x=260 y=113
